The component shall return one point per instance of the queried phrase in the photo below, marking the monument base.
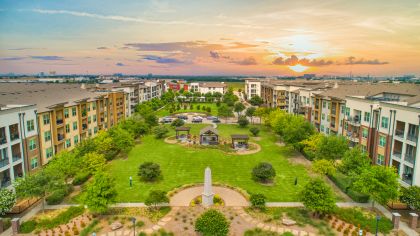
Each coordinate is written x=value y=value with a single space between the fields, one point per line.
x=207 y=199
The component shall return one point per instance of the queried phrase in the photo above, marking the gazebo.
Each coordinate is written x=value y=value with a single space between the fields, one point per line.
x=239 y=140
x=181 y=129
x=209 y=136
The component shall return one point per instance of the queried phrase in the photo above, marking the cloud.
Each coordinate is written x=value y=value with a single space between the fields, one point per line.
x=249 y=61
x=102 y=48
x=214 y=55
x=294 y=60
x=141 y=20
x=119 y=64
x=22 y=49
x=362 y=61
x=48 y=58
x=162 y=60
x=12 y=58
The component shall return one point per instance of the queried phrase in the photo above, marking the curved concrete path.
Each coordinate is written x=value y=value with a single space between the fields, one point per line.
x=231 y=197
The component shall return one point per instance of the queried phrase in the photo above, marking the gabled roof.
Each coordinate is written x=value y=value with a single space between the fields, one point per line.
x=209 y=129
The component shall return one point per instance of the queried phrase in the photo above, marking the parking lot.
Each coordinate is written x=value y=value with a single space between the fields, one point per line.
x=191 y=118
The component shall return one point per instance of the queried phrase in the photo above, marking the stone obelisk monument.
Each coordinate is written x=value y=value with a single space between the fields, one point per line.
x=207 y=196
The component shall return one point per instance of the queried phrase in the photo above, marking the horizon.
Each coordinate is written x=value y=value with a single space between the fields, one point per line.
x=211 y=38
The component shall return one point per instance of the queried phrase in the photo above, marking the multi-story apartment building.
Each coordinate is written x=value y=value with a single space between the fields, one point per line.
x=252 y=88
x=66 y=114
x=207 y=87
x=19 y=144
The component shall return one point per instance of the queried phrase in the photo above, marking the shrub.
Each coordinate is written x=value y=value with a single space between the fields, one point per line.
x=155 y=198
x=191 y=107
x=81 y=177
x=259 y=232
x=56 y=197
x=258 y=201
x=62 y=218
x=254 y=131
x=243 y=121
x=366 y=220
x=177 y=123
x=263 y=172
x=27 y=226
x=149 y=171
x=160 y=131
x=208 y=109
x=139 y=223
x=344 y=183
x=211 y=223
x=86 y=231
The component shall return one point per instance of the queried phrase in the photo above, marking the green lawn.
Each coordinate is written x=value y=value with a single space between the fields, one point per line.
x=181 y=165
x=236 y=85
x=165 y=111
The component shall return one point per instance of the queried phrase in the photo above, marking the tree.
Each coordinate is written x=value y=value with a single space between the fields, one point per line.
x=94 y=162
x=250 y=111
x=310 y=144
x=212 y=222
x=331 y=147
x=151 y=119
x=260 y=112
x=323 y=167
x=243 y=121
x=224 y=111
x=123 y=141
x=229 y=97
x=7 y=200
x=100 y=193
x=41 y=184
x=411 y=197
x=263 y=172
x=254 y=131
x=354 y=161
x=256 y=100
x=379 y=182
x=318 y=197
x=155 y=198
x=149 y=171
x=238 y=108
x=177 y=123
x=258 y=201
x=106 y=144
x=160 y=131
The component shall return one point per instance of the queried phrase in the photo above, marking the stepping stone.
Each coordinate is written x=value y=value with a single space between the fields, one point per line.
x=166 y=219
x=156 y=227
x=288 y=222
x=260 y=225
x=116 y=225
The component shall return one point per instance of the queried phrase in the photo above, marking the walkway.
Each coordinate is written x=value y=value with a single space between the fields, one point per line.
x=231 y=197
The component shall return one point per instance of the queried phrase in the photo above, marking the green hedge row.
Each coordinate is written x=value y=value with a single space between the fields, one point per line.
x=343 y=182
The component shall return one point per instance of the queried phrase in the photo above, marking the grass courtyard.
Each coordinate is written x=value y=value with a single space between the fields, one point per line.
x=182 y=165
x=213 y=107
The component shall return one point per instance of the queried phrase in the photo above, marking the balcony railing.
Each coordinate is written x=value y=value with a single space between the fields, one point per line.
x=59 y=121
x=14 y=136
x=407 y=178
x=412 y=137
x=399 y=133
x=354 y=120
x=397 y=154
x=60 y=137
x=4 y=162
x=84 y=126
x=5 y=183
x=3 y=140
x=16 y=157
x=409 y=158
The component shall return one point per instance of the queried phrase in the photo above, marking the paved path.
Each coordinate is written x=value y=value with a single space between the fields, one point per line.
x=231 y=197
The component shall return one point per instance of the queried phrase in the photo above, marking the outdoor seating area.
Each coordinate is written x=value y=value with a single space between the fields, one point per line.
x=209 y=136
x=182 y=133
x=239 y=141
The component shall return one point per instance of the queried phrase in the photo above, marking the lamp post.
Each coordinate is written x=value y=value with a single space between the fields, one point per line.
x=133 y=219
x=377 y=222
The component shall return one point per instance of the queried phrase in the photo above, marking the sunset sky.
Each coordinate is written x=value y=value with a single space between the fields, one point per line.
x=214 y=37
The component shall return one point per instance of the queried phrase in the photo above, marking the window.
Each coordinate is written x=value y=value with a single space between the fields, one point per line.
x=95 y=130
x=73 y=111
x=76 y=139
x=93 y=106
x=329 y=105
x=68 y=143
x=364 y=148
x=49 y=152
x=67 y=128
x=94 y=118
x=66 y=113
x=46 y=118
x=89 y=120
x=323 y=104
x=380 y=160
x=307 y=101
x=365 y=133
x=347 y=111
x=346 y=126
x=341 y=123
x=367 y=116
x=90 y=132
x=47 y=136
x=88 y=107
x=34 y=162
x=32 y=144
x=384 y=122
x=322 y=128
x=343 y=109
x=382 y=141
x=328 y=118
x=323 y=116
x=30 y=125
x=75 y=125
x=327 y=131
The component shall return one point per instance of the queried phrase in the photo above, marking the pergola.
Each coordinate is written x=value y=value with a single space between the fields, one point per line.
x=182 y=129
x=240 y=139
x=209 y=135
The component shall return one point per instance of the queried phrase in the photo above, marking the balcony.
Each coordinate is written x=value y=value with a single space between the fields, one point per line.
x=412 y=137
x=3 y=138
x=60 y=137
x=59 y=122
x=84 y=126
x=84 y=113
x=397 y=154
x=4 y=162
x=407 y=178
x=353 y=137
x=409 y=158
x=354 y=120
x=399 y=133
x=14 y=132
x=17 y=157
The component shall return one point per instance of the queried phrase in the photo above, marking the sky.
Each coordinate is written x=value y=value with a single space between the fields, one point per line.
x=211 y=37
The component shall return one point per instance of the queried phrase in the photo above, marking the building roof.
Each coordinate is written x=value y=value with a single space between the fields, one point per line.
x=239 y=136
x=44 y=95
x=213 y=84
x=183 y=128
x=209 y=129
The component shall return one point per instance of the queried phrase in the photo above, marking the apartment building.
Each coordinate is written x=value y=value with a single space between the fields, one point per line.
x=252 y=88
x=19 y=144
x=66 y=114
x=208 y=87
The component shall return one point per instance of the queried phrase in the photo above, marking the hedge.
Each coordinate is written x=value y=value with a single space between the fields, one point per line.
x=80 y=178
x=343 y=182
x=27 y=227
x=62 y=218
